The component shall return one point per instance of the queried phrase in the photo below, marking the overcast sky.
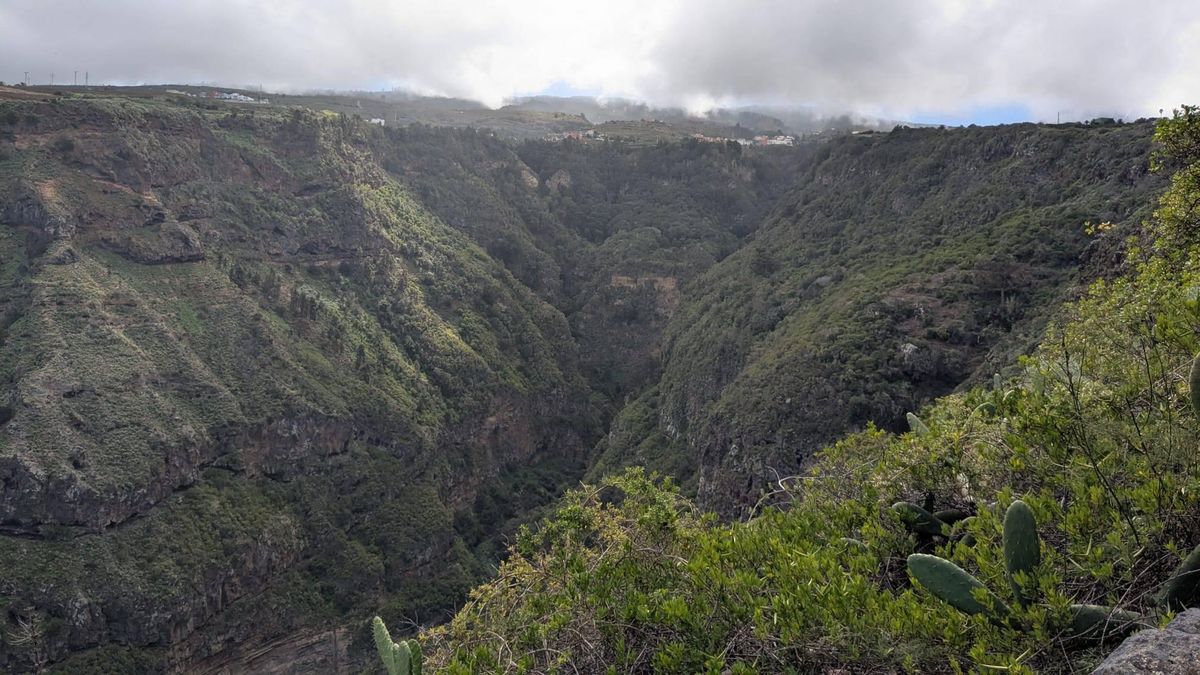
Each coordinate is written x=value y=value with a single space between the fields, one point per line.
x=925 y=60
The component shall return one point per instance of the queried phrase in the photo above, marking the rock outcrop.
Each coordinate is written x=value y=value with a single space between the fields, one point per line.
x=1174 y=650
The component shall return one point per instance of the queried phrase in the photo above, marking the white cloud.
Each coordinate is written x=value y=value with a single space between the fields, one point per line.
x=869 y=56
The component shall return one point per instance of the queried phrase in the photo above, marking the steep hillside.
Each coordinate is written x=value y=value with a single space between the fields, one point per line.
x=1067 y=500
x=654 y=219
x=266 y=371
x=339 y=361
x=900 y=267
x=248 y=382
x=607 y=232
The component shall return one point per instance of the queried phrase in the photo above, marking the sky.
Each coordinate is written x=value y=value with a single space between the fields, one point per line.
x=930 y=61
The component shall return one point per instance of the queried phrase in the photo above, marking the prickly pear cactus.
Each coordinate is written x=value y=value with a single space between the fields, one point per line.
x=950 y=516
x=1022 y=551
x=1097 y=623
x=918 y=520
x=1182 y=590
x=954 y=586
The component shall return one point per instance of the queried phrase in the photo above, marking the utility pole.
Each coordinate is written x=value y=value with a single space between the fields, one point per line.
x=26 y=80
x=85 y=78
x=51 y=79
x=76 y=83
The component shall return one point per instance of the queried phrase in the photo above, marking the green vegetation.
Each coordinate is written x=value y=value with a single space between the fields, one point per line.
x=1022 y=551
x=1182 y=589
x=609 y=233
x=399 y=658
x=265 y=371
x=249 y=385
x=920 y=521
x=955 y=587
x=889 y=275
x=1022 y=557
x=1095 y=432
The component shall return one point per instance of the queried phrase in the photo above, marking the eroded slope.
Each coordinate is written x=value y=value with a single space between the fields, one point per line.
x=901 y=266
x=249 y=381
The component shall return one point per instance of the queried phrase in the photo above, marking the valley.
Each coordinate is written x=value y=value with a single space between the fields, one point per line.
x=266 y=372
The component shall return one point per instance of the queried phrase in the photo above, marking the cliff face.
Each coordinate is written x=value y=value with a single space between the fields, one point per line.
x=247 y=381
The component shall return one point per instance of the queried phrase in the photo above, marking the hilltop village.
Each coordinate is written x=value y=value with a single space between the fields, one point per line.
x=585 y=135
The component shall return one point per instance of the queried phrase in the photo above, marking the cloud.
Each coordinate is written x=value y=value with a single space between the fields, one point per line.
x=879 y=57
x=939 y=55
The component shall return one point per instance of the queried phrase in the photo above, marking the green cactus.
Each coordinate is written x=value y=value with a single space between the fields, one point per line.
x=1182 y=589
x=950 y=516
x=951 y=584
x=985 y=409
x=919 y=520
x=1096 y=623
x=1022 y=555
x=917 y=425
x=417 y=657
x=1022 y=550
x=402 y=658
x=960 y=532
